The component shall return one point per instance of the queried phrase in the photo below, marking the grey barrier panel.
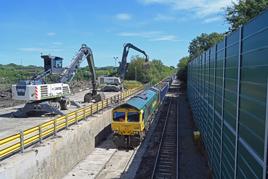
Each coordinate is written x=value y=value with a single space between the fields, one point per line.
x=227 y=91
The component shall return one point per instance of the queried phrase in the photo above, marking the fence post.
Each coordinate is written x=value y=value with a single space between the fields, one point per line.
x=91 y=110
x=213 y=98
x=55 y=127
x=66 y=122
x=76 y=119
x=266 y=136
x=238 y=99
x=84 y=113
x=40 y=133
x=21 y=142
x=222 y=101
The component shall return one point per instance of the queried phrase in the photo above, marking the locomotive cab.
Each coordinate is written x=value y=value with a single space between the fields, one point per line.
x=130 y=118
x=127 y=121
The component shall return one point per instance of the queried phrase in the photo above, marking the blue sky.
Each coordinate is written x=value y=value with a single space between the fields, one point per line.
x=163 y=28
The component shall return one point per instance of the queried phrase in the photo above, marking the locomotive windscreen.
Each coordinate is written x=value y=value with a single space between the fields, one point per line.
x=119 y=116
x=133 y=117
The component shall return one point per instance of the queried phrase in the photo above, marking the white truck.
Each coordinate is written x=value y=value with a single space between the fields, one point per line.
x=110 y=83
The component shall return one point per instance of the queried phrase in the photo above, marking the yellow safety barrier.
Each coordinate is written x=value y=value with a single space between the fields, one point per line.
x=17 y=142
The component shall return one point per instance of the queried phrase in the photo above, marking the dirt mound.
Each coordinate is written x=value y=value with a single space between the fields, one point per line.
x=77 y=86
x=6 y=99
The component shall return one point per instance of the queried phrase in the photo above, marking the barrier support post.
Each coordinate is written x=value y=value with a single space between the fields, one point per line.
x=21 y=141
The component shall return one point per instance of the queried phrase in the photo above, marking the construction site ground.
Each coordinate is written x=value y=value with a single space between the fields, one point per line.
x=10 y=125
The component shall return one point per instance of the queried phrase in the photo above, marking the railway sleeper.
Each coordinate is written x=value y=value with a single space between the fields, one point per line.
x=163 y=171
x=167 y=162
x=164 y=175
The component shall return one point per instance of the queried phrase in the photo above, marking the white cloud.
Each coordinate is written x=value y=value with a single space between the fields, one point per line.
x=150 y=35
x=201 y=8
x=51 y=33
x=162 y=17
x=139 y=34
x=31 y=49
x=123 y=16
x=212 y=19
x=37 y=49
x=166 y=38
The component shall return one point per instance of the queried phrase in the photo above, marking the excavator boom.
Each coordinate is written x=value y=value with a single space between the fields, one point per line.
x=123 y=65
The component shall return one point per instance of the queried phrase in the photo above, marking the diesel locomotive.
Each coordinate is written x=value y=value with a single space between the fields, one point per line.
x=131 y=119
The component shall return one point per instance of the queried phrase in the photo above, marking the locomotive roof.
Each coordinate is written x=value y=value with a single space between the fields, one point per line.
x=139 y=101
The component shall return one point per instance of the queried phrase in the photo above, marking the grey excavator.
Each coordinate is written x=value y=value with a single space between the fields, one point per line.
x=53 y=97
x=113 y=83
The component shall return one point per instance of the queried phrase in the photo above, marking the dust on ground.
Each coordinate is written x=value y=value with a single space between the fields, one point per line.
x=6 y=99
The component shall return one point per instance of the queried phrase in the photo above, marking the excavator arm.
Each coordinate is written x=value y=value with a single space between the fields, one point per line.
x=68 y=74
x=91 y=66
x=123 y=64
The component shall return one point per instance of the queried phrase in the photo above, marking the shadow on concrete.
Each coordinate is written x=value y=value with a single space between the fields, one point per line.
x=102 y=136
x=17 y=114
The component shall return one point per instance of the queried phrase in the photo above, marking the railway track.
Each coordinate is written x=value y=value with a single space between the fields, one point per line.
x=165 y=165
x=160 y=158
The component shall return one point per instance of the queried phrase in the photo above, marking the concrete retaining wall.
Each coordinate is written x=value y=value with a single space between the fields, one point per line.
x=57 y=156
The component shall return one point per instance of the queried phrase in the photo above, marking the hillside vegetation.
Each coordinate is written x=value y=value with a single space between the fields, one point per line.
x=151 y=72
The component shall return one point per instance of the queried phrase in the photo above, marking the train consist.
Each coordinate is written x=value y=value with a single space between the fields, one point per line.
x=131 y=120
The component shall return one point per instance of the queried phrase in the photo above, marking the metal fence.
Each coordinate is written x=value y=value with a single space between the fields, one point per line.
x=227 y=90
x=18 y=142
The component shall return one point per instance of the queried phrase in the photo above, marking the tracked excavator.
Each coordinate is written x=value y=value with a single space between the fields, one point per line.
x=53 y=97
x=113 y=83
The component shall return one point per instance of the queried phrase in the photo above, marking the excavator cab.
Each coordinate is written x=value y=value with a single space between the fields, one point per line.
x=53 y=63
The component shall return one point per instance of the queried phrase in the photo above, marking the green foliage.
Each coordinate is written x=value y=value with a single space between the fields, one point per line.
x=182 y=68
x=12 y=73
x=198 y=45
x=203 y=42
x=183 y=62
x=152 y=71
x=84 y=74
x=244 y=10
x=130 y=84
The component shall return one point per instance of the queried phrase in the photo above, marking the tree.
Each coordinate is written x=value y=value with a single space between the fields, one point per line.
x=152 y=72
x=136 y=68
x=203 y=42
x=241 y=12
x=183 y=62
x=182 y=68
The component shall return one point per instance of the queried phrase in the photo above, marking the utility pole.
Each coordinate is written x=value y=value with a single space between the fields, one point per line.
x=115 y=62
